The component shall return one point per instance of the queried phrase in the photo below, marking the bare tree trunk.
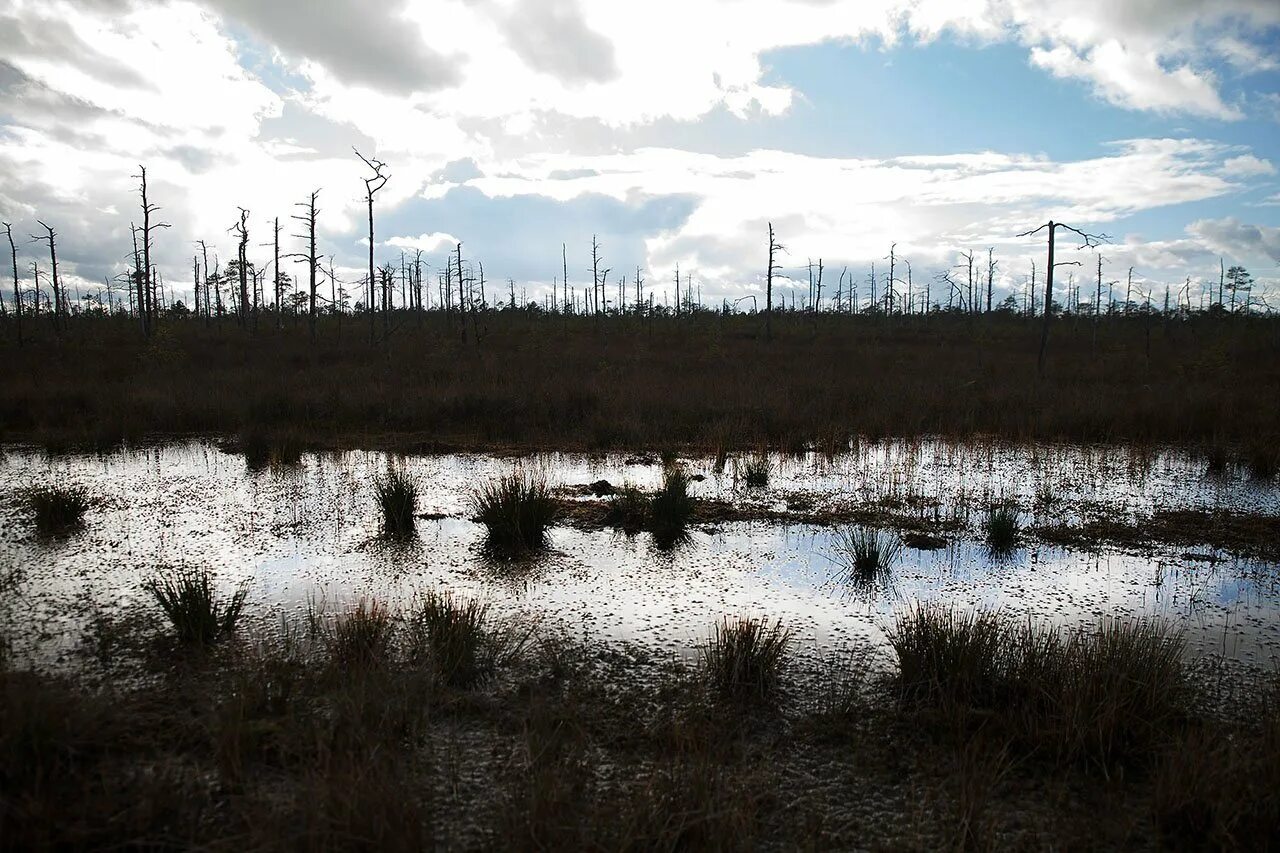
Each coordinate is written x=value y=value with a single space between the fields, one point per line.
x=462 y=300
x=372 y=186
x=17 y=289
x=308 y=218
x=51 y=237
x=279 y=296
x=242 y=254
x=991 y=278
x=1048 y=302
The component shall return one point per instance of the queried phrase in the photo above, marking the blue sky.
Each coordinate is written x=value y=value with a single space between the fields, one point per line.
x=514 y=126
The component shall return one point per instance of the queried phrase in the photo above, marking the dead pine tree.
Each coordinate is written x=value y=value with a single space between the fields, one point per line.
x=992 y=263
x=1090 y=241
x=564 y=262
x=463 y=301
x=275 y=277
x=148 y=209
x=17 y=286
x=891 y=280
x=773 y=269
x=372 y=185
x=204 y=257
x=973 y=303
x=595 y=275
x=50 y=237
x=908 y=303
x=311 y=259
x=417 y=284
x=817 y=294
x=241 y=229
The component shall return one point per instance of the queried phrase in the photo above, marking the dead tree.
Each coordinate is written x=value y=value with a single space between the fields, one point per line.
x=17 y=288
x=51 y=238
x=372 y=186
x=564 y=261
x=275 y=277
x=147 y=227
x=909 y=306
x=1090 y=241
x=889 y=282
x=417 y=283
x=972 y=304
x=1097 y=299
x=462 y=299
x=311 y=259
x=817 y=303
x=241 y=228
x=773 y=268
x=595 y=276
x=35 y=290
x=991 y=275
x=204 y=257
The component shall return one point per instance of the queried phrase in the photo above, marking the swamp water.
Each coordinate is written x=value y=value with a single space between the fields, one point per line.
x=311 y=531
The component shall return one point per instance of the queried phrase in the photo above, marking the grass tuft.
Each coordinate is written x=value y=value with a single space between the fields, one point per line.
x=865 y=555
x=1217 y=460
x=1263 y=462
x=628 y=509
x=188 y=601
x=1002 y=528
x=517 y=509
x=361 y=637
x=58 y=508
x=755 y=471
x=743 y=658
x=1099 y=694
x=454 y=636
x=672 y=505
x=397 y=495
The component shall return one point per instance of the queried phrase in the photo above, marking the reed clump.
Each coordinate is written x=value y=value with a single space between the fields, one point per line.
x=517 y=510
x=456 y=637
x=744 y=658
x=397 y=494
x=1002 y=528
x=1099 y=693
x=754 y=471
x=58 y=508
x=628 y=509
x=672 y=506
x=189 y=602
x=865 y=555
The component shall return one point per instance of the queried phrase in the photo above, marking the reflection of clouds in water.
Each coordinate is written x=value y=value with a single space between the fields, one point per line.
x=314 y=528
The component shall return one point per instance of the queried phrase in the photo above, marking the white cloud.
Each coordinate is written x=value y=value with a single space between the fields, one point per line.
x=1247 y=165
x=434 y=242
x=1137 y=80
x=1239 y=241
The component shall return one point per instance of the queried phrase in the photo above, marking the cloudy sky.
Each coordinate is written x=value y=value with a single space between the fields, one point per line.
x=673 y=130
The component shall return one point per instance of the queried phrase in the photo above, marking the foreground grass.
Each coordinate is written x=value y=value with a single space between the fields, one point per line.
x=1101 y=695
x=376 y=729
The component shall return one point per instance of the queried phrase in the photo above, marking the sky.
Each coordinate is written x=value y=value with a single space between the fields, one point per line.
x=673 y=132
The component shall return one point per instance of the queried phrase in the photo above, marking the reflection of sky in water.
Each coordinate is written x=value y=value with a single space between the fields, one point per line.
x=313 y=531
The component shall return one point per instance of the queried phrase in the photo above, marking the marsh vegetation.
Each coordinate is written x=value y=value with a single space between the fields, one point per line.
x=517 y=674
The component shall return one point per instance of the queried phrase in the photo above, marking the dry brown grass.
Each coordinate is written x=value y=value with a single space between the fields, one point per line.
x=705 y=381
